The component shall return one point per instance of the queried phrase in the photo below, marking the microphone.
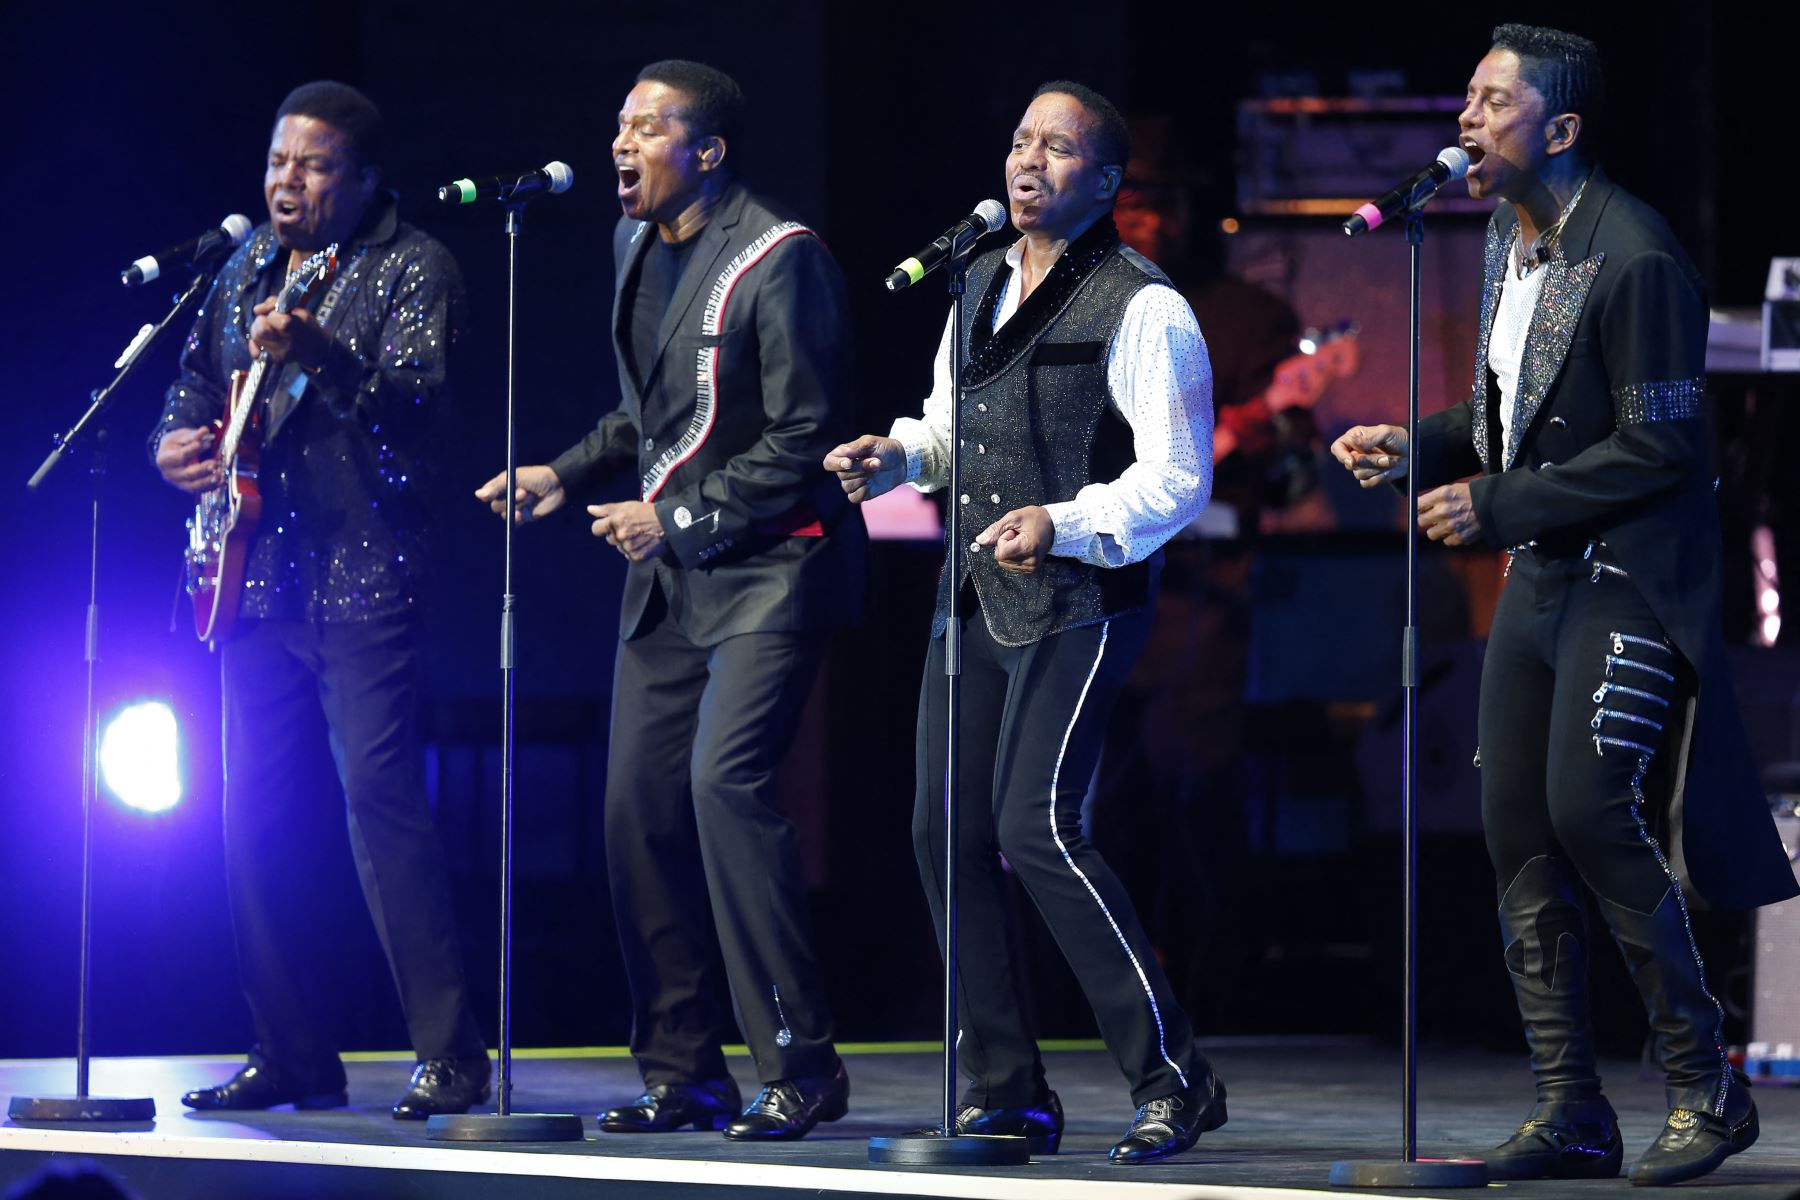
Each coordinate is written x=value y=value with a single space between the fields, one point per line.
x=552 y=177
x=204 y=251
x=1452 y=163
x=988 y=216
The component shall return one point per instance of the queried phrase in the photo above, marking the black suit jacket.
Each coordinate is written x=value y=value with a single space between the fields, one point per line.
x=748 y=388
x=1609 y=440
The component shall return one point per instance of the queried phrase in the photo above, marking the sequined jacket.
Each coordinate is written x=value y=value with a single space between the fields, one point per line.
x=1609 y=442
x=749 y=387
x=344 y=534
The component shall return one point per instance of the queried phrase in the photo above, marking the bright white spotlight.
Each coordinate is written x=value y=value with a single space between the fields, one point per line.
x=138 y=757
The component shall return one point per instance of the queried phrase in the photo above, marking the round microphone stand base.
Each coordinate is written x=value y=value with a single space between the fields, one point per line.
x=1418 y=1173
x=512 y=1127
x=82 y=1108
x=935 y=1148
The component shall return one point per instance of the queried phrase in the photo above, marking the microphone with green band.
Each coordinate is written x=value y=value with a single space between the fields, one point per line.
x=988 y=216
x=552 y=177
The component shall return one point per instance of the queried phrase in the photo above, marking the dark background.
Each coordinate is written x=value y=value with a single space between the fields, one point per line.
x=1267 y=868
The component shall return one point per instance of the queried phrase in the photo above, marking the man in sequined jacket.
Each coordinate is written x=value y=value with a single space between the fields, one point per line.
x=326 y=644
x=1611 y=751
x=1086 y=428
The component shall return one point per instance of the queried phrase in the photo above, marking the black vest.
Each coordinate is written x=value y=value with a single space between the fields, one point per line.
x=1037 y=426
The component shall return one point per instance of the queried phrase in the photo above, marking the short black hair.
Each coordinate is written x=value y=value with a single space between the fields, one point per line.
x=1563 y=67
x=1112 y=135
x=344 y=109
x=715 y=103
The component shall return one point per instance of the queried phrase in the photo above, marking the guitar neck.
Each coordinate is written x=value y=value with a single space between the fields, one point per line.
x=246 y=402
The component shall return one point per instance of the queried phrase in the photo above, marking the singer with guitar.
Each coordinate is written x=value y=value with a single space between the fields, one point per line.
x=336 y=319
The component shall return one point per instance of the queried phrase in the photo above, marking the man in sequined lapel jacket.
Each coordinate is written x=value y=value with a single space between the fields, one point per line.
x=327 y=645
x=1086 y=443
x=732 y=336
x=1612 y=754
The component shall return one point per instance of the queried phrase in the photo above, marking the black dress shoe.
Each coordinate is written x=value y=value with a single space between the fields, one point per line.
x=668 y=1106
x=788 y=1108
x=1693 y=1143
x=1566 y=1139
x=444 y=1085
x=265 y=1087
x=1041 y=1123
x=1170 y=1124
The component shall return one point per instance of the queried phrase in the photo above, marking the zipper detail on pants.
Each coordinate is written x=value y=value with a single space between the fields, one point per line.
x=1619 y=640
x=1613 y=660
x=1600 y=693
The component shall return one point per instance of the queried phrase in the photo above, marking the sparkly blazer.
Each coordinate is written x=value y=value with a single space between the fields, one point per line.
x=748 y=388
x=1609 y=441
x=344 y=529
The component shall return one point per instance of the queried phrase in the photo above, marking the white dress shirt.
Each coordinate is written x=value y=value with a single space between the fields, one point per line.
x=1506 y=340
x=1161 y=383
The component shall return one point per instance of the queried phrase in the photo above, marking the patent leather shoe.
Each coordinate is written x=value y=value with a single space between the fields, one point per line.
x=259 y=1085
x=444 y=1085
x=669 y=1106
x=1041 y=1123
x=788 y=1109
x=1561 y=1139
x=1170 y=1124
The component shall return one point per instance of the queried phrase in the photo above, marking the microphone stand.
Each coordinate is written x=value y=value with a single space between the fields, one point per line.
x=505 y=1125
x=1411 y=1170
x=943 y=1146
x=82 y=1106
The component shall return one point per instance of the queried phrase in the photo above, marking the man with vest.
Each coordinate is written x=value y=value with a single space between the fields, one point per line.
x=1086 y=444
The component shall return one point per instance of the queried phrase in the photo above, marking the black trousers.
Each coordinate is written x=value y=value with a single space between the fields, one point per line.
x=1583 y=704
x=287 y=686
x=701 y=859
x=1031 y=724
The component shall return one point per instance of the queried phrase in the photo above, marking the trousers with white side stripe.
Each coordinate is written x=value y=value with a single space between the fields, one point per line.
x=1032 y=720
x=1584 y=704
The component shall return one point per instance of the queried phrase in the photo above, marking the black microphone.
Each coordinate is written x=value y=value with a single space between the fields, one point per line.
x=988 y=216
x=207 y=250
x=552 y=177
x=1452 y=163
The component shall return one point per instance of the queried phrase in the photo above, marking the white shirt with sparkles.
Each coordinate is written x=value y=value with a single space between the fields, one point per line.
x=1160 y=378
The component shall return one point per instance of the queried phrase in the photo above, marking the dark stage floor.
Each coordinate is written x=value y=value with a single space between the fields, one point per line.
x=1296 y=1105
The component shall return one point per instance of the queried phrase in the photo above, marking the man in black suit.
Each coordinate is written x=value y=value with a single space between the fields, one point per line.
x=1611 y=750
x=732 y=338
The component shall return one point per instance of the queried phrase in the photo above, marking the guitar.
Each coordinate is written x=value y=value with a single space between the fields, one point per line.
x=1298 y=382
x=225 y=517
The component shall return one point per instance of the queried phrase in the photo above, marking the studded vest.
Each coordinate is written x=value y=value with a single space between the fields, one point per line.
x=1037 y=426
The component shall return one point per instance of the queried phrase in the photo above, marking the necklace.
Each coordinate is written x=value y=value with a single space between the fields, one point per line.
x=1526 y=261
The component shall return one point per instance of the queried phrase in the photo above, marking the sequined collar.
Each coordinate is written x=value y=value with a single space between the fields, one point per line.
x=992 y=350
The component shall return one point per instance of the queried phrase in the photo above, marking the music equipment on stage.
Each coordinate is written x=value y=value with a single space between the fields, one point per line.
x=207 y=250
x=1298 y=382
x=552 y=177
x=988 y=216
x=225 y=517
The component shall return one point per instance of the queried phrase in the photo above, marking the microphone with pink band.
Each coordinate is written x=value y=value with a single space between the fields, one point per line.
x=1452 y=163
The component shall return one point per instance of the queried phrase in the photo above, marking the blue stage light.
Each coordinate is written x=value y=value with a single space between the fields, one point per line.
x=139 y=757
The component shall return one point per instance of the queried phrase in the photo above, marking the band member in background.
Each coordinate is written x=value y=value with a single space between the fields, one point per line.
x=327 y=643
x=1087 y=444
x=1612 y=756
x=732 y=336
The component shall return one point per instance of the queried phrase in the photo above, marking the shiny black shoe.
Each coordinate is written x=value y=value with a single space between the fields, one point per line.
x=1567 y=1139
x=1694 y=1143
x=1170 y=1124
x=669 y=1106
x=444 y=1085
x=1041 y=1123
x=262 y=1086
x=787 y=1109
